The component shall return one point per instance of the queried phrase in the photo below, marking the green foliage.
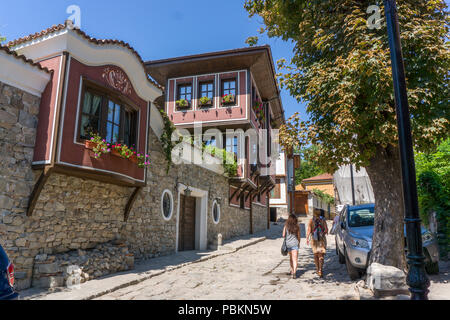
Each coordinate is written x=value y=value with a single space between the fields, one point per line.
x=308 y=168
x=252 y=41
x=101 y=146
x=325 y=197
x=2 y=38
x=438 y=162
x=205 y=101
x=228 y=99
x=228 y=159
x=166 y=138
x=433 y=182
x=182 y=103
x=342 y=69
x=434 y=198
x=123 y=150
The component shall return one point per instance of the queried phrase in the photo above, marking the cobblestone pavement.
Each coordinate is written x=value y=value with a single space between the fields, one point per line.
x=257 y=272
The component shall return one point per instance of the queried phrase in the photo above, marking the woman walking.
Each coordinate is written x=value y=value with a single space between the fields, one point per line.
x=317 y=230
x=291 y=232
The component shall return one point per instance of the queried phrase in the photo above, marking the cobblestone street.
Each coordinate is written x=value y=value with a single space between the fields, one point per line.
x=257 y=272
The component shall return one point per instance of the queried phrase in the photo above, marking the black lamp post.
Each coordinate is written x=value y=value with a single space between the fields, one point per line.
x=417 y=279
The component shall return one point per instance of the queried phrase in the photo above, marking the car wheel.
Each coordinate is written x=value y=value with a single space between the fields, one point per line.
x=341 y=257
x=338 y=253
x=351 y=270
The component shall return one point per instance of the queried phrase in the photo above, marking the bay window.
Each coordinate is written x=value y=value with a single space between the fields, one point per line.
x=109 y=115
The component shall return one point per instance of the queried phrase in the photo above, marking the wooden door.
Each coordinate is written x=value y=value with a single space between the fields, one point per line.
x=301 y=203
x=186 y=235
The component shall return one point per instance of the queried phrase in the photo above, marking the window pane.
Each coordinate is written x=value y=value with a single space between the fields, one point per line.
x=126 y=137
x=84 y=126
x=117 y=115
x=87 y=103
x=116 y=134
x=109 y=132
x=96 y=103
x=111 y=111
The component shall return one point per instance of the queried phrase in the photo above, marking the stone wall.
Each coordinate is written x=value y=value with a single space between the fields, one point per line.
x=80 y=214
x=78 y=266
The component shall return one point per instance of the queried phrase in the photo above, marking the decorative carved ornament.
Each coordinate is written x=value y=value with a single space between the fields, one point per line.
x=117 y=79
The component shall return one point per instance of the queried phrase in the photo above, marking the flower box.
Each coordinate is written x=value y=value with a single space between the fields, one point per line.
x=134 y=159
x=116 y=153
x=205 y=102
x=228 y=100
x=183 y=104
x=88 y=144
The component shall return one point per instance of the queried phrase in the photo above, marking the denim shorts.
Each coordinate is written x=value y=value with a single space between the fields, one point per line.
x=292 y=249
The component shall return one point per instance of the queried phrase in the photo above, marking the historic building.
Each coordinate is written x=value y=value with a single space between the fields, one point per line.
x=307 y=200
x=71 y=209
x=235 y=93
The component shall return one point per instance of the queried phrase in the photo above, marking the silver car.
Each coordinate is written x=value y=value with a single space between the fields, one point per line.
x=354 y=241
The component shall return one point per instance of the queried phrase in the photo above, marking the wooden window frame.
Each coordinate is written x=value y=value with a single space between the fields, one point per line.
x=222 y=89
x=182 y=85
x=277 y=187
x=200 y=83
x=109 y=95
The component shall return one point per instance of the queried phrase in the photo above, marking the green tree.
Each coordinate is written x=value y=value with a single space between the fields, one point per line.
x=433 y=181
x=342 y=69
x=438 y=162
x=308 y=167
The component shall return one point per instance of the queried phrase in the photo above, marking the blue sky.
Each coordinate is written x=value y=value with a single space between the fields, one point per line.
x=156 y=29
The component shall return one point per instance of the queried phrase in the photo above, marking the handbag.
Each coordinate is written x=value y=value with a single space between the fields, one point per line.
x=284 y=249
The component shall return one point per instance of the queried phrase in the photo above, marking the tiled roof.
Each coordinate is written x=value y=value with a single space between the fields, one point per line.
x=23 y=58
x=68 y=23
x=325 y=176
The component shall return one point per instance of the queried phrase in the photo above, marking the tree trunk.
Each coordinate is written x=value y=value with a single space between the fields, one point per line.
x=388 y=238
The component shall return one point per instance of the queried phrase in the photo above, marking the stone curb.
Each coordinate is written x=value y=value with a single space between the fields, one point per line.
x=150 y=274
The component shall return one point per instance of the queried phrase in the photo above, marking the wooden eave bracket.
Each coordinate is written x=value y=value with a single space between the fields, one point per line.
x=130 y=203
x=38 y=189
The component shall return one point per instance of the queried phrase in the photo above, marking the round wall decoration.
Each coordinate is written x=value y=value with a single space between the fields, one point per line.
x=216 y=212
x=167 y=205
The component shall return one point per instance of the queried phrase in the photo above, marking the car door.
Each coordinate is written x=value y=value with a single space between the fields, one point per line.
x=339 y=233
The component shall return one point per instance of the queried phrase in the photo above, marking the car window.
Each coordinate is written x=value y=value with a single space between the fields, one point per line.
x=343 y=215
x=361 y=217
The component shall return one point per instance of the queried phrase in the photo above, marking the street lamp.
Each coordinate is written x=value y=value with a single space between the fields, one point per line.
x=417 y=279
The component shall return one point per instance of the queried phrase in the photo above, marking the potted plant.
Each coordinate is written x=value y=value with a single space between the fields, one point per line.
x=143 y=160
x=205 y=102
x=97 y=144
x=228 y=99
x=122 y=151
x=134 y=156
x=182 y=104
x=258 y=108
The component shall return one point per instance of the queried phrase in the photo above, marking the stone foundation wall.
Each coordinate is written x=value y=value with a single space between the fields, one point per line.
x=74 y=214
x=78 y=266
x=259 y=218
